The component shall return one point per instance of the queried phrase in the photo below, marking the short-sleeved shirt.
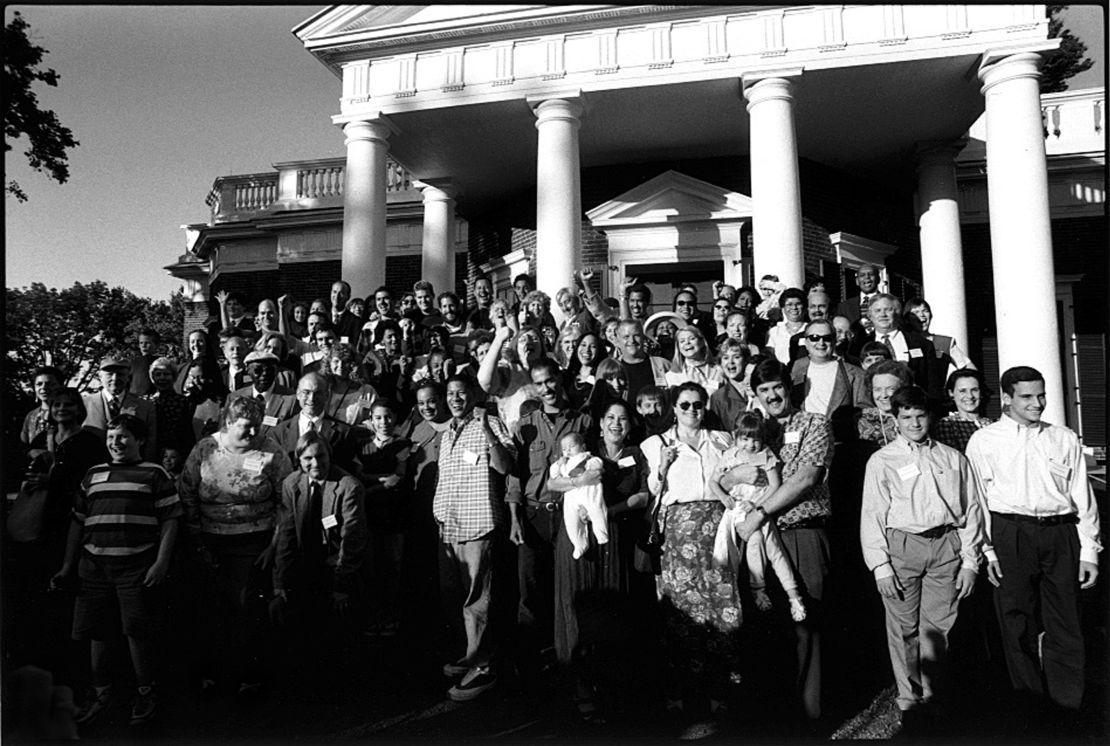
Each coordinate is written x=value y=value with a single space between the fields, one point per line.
x=805 y=439
x=123 y=506
x=468 y=503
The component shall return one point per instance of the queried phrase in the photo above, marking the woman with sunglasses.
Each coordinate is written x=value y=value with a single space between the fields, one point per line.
x=722 y=307
x=699 y=602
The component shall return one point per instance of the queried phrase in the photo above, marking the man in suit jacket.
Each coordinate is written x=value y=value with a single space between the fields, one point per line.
x=321 y=538
x=312 y=397
x=867 y=278
x=821 y=383
x=906 y=347
x=114 y=399
x=278 y=400
x=235 y=350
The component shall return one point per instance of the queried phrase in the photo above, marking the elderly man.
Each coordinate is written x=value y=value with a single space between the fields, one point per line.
x=844 y=336
x=914 y=350
x=475 y=453
x=574 y=313
x=311 y=397
x=1042 y=541
x=235 y=349
x=801 y=506
x=115 y=399
x=277 y=400
x=867 y=278
x=534 y=510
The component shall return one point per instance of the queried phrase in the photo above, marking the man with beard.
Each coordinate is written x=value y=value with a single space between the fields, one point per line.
x=534 y=511
x=801 y=507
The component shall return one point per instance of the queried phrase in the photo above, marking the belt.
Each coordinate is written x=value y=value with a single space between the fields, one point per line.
x=550 y=507
x=1041 y=520
x=817 y=521
x=935 y=533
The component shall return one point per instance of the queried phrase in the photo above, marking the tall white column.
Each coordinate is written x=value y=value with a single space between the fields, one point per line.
x=942 y=264
x=776 y=190
x=1021 y=233
x=364 y=192
x=558 y=195
x=438 y=262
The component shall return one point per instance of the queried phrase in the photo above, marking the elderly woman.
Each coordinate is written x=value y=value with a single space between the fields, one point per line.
x=601 y=602
x=173 y=410
x=693 y=361
x=535 y=310
x=968 y=393
x=505 y=370
x=40 y=633
x=876 y=424
x=231 y=488
x=699 y=601
x=792 y=301
x=350 y=396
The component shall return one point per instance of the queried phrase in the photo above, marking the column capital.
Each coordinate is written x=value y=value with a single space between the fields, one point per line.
x=761 y=87
x=375 y=127
x=569 y=106
x=943 y=152
x=436 y=190
x=999 y=67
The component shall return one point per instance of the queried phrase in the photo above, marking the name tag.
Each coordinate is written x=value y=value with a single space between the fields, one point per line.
x=99 y=477
x=269 y=420
x=329 y=521
x=470 y=457
x=626 y=461
x=344 y=340
x=792 y=437
x=1058 y=469
x=909 y=471
x=253 y=464
x=915 y=352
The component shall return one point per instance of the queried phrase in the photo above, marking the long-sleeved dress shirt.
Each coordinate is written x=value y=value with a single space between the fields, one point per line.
x=1036 y=470
x=692 y=468
x=916 y=487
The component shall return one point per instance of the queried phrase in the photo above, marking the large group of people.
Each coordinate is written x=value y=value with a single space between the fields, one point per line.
x=598 y=493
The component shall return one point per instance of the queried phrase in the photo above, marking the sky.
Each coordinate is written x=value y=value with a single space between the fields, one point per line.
x=165 y=99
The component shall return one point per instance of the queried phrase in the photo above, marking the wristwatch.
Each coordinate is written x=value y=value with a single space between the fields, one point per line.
x=761 y=510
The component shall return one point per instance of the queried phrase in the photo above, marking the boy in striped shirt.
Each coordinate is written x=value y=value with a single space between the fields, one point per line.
x=125 y=521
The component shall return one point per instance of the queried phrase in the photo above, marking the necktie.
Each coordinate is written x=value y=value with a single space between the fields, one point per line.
x=889 y=346
x=312 y=426
x=113 y=407
x=315 y=538
x=864 y=304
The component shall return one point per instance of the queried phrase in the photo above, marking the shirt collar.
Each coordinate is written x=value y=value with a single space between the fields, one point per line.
x=908 y=445
x=1016 y=427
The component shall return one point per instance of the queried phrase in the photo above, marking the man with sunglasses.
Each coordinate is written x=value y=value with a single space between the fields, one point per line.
x=817 y=309
x=820 y=383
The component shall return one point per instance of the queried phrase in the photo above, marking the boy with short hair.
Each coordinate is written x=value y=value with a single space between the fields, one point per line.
x=921 y=530
x=125 y=518
x=654 y=408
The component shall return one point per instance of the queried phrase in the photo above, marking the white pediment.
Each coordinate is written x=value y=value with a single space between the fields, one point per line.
x=671 y=198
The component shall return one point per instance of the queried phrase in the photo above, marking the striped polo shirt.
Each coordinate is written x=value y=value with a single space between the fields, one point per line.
x=122 y=507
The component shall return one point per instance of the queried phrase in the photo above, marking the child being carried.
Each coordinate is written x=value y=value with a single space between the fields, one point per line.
x=765 y=544
x=583 y=505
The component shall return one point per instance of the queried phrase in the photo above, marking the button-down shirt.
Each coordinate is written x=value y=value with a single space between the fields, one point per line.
x=692 y=468
x=468 y=503
x=805 y=439
x=1035 y=471
x=536 y=437
x=915 y=487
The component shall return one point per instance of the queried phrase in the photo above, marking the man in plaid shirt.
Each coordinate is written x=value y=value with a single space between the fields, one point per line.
x=475 y=454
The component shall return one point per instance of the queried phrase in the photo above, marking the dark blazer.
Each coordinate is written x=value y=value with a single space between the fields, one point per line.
x=96 y=419
x=849 y=389
x=921 y=362
x=349 y=326
x=849 y=308
x=336 y=433
x=344 y=498
x=280 y=403
x=243 y=380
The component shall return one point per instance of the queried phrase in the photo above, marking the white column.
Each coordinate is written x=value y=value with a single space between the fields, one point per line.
x=364 y=191
x=942 y=264
x=776 y=190
x=558 y=196
x=1021 y=234
x=438 y=262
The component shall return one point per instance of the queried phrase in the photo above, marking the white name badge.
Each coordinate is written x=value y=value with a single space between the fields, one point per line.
x=792 y=437
x=470 y=457
x=253 y=464
x=626 y=461
x=101 y=476
x=909 y=471
x=270 y=421
x=915 y=352
x=1060 y=470
x=329 y=521
x=344 y=340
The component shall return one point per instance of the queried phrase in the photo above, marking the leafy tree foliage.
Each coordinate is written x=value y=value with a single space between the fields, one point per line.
x=1069 y=60
x=22 y=115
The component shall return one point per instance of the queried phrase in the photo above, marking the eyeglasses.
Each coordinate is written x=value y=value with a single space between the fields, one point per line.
x=697 y=405
x=685 y=303
x=821 y=337
x=723 y=307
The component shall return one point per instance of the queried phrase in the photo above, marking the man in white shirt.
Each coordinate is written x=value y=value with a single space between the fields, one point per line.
x=906 y=347
x=821 y=383
x=1042 y=539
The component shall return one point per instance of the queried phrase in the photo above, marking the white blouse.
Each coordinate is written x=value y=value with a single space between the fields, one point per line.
x=690 y=472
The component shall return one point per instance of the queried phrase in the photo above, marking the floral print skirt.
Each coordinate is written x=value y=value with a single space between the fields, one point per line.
x=699 y=602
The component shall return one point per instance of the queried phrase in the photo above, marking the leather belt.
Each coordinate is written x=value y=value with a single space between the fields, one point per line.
x=1041 y=520
x=935 y=533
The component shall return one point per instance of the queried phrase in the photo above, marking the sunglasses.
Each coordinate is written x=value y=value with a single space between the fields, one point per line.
x=697 y=405
x=684 y=302
x=723 y=307
x=821 y=337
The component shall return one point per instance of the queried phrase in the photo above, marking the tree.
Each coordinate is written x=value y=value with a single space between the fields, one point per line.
x=22 y=115
x=1069 y=60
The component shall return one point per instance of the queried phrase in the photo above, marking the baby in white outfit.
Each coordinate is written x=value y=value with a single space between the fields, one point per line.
x=583 y=506
x=764 y=545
